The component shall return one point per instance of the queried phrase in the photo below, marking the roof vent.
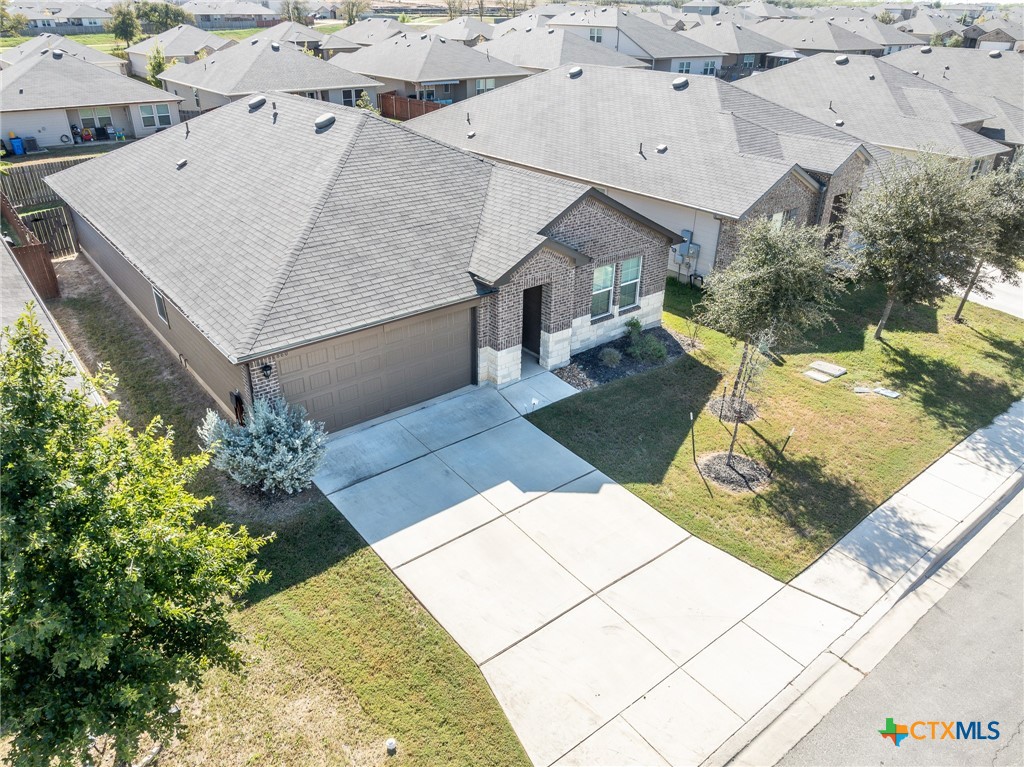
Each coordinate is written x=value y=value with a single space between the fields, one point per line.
x=550 y=31
x=861 y=19
x=275 y=46
x=256 y=102
x=471 y=134
x=915 y=73
x=575 y=73
x=58 y=54
x=926 y=49
x=529 y=29
x=442 y=40
x=662 y=148
x=994 y=54
x=680 y=84
x=718 y=23
x=831 y=18
x=842 y=58
x=840 y=123
x=180 y=164
x=423 y=36
x=871 y=77
x=324 y=121
x=946 y=67
x=254 y=41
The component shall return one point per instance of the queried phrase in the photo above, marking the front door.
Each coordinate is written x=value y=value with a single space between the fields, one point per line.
x=531 y=319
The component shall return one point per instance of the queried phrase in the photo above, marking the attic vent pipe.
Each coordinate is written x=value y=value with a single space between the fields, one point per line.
x=256 y=102
x=839 y=123
x=180 y=164
x=471 y=134
x=58 y=54
x=926 y=49
x=575 y=73
x=275 y=46
x=324 y=121
x=680 y=84
x=842 y=58
x=994 y=54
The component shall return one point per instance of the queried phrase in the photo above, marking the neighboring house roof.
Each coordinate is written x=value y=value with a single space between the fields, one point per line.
x=263 y=65
x=464 y=28
x=48 y=42
x=333 y=230
x=884 y=34
x=765 y=10
x=814 y=35
x=523 y=21
x=182 y=40
x=658 y=42
x=197 y=8
x=291 y=32
x=730 y=38
x=549 y=48
x=82 y=12
x=725 y=148
x=993 y=84
x=56 y=81
x=662 y=19
x=371 y=31
x=335 y=42
x=930 y=24
x=877 y=102
x=1012 y=28
x=421 y=58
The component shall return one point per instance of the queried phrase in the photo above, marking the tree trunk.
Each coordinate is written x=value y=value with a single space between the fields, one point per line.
x=732 y=445
x=970 y=287
x=743 y=365
x=885 y=318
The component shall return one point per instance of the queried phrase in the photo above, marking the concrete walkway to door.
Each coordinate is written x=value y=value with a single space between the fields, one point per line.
x=609 y=635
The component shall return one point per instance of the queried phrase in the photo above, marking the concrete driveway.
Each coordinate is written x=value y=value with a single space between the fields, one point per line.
x=609 y=635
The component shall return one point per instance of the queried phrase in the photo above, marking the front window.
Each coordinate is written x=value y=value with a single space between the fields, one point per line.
x=601 y=293
x=977 y=167
x=629 y=283
x=426 y=95
x=748 y=61
x=683 y=67
x=482 y=86
x=595 y=34
x=95 y=118
x=709 y=67
x=155 y=114
x=349 y=98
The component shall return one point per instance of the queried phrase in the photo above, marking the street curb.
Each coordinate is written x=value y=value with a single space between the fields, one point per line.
x=794 y=712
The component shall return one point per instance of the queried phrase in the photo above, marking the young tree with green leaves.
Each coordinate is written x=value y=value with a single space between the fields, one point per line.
x=885 y=18
x=11 y=24
x=156 y=63
x=365 y=102
x=112 y=597
x=1005 y=253
x=162 y=16
x=353 y=8
x=782 y=283
x=124 y=24
x=918 y=229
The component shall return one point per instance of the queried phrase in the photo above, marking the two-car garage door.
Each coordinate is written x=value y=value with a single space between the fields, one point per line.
x=362 y=375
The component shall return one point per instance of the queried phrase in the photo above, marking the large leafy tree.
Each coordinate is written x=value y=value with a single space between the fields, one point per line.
x=156 y=64
x=124 y=24
x=162 y=16
x=112 y=597
x=1005 y=210
x=918 y=228
x=11 y=24
x=295 y=10
x=353 y=8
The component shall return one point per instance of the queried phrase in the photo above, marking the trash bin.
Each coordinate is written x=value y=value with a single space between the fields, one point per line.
x=17 y=146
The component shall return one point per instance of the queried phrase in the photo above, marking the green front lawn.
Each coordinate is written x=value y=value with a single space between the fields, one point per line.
x=342 y=657
x=849 y=452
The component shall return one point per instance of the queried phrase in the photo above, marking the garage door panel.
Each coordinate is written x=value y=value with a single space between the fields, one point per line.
x=373 y=372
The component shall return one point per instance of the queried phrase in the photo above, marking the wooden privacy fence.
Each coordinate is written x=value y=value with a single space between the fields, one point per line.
x=396 y=107
x=23 y=185
x=33 y=255
x=52 y=227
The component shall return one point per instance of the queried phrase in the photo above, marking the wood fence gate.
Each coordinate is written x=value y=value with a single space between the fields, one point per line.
x=52 y=227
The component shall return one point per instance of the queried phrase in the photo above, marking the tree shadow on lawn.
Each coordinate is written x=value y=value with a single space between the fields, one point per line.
x=1005 y=351
x=960 y=400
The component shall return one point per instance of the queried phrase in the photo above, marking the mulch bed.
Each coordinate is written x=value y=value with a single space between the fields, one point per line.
x=745 y=475
x=586 y=370
x=732 y=410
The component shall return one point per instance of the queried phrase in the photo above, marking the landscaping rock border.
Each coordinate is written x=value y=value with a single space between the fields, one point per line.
x=745 y=475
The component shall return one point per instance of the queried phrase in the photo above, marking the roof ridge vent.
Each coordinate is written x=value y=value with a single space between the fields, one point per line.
x=324 y=121
x=842 y=58
x=680 y=84
x=256 y=102
x=994 y=54
x=575 y=73
x=926 y=49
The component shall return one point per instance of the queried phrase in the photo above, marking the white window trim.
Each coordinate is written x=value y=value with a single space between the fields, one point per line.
x=683 y=68
x=610 y=290
x=636 y=282
x=161 y=306
x=596 y=35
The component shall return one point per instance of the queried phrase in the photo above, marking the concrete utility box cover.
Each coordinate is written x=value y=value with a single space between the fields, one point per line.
x=862 y=390
x=887 y=393
x=817 y=375
x=827 y=367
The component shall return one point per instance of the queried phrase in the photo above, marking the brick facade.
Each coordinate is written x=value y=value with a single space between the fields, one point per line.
x=847 y=180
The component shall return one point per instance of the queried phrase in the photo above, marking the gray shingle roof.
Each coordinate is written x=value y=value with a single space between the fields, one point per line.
x=330 y=231
x=993 y=85
x=463 y=28
x=523 y=21
x=46 y=82
x=182 y=40
x=260 y=65
x=657 y=41
x=714 y=160
x=47 y=42
x=768 y=10
x=421 y=58
x=877 y=102
x=373 y=31
x=930 y=24
x=290 y=32
x=335 y=42
x=731 y=38
x=875 y=31
x=814 y=35
x=548 y=48
x=226 y=8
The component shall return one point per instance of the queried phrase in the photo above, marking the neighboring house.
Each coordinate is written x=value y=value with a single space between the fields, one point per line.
x=43 y=96
x=744 y=50
x=993 y=35
x=627 y=33
x=987 y=80
x=969 y=12
x=391 y=269
x=875 y=101
x=518 y=24
x=257 y=65
x=539 y=50
x=926 y=26
x=695 y=154
x=702 y=7
x=765 y=10
x=334 y=44
x=229 y=14
x=42 y=44
x=65 y=19
x=673 y=23
x=465 y=29
x=889 y=37
x=371 y=31
x=811 y=36
x=421 y=66
x=294 y=33
x=182 y=44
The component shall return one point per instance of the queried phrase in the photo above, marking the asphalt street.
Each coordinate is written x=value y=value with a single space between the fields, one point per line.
x=963 y=661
